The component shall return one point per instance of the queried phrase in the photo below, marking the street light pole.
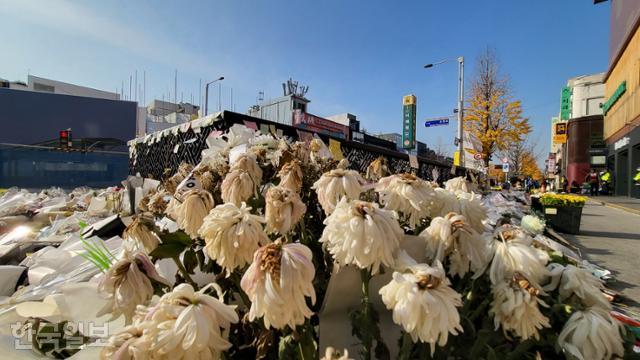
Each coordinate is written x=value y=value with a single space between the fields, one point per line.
x=460 y=135
x=461 y=110
x=206 y=94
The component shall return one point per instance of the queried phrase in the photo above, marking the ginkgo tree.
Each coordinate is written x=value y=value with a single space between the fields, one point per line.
x=491 y=114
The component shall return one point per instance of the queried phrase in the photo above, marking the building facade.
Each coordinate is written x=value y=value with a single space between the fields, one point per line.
x=622 y=99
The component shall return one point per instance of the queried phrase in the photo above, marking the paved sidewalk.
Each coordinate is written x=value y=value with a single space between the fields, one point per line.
x=610 y=237
x=621 y=202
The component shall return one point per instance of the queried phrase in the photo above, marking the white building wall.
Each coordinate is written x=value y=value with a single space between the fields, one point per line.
x=587 y=95
x=35 y=83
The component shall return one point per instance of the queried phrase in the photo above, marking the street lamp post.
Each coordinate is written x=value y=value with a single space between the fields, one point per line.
x=206 y=94
x=460 y=138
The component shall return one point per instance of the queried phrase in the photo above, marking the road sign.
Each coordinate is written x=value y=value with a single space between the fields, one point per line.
x=505 y=160
x=505 y=168
x=477 y=156
x=437 y=122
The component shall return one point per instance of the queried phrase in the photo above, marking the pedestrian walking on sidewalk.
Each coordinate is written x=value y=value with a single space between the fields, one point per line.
x=594 y=183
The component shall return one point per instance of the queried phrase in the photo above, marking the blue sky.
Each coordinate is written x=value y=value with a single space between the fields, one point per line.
x=357 y=56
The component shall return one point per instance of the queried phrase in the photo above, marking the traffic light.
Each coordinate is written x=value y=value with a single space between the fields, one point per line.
x=65 y=139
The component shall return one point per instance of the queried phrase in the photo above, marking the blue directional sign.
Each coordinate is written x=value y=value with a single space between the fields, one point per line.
x=436 y=122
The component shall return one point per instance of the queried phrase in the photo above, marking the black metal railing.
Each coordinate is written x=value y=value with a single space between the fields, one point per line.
x=155 y=158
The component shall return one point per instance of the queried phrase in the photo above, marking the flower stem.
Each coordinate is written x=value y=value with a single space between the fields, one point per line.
x=406 y=347
x=367 y=340
x=184 y=272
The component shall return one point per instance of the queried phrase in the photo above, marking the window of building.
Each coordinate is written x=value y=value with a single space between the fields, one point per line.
x=43 y=87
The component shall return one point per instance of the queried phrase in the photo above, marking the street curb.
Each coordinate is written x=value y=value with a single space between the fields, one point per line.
x=615 y=206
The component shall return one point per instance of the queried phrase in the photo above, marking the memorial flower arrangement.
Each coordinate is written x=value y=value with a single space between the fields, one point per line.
x=267 y=222
x=550 y=199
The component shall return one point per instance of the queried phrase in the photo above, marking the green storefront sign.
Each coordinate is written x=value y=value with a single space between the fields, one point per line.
x=409 y=122
x=622 y=88
x=565 y=103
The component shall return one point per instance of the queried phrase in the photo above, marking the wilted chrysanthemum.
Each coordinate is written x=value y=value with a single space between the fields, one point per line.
x=232 y=234
x=283 y=209
x=515 y=307
x=591 y=334
x=291 y=176
x=129 y=343
x=319 y=151
x=452 y=237
x=238 y=187
x=362 y=234
x=195 y=206
x=459 y=184
x=579 y=282
x=336 y=184
x=172 y=183
x=277 y=282
x=513 y=252
x=445 y=202
x=191 y=324
x=377 y=169
x=248 y=163
x=158 y=202
x=471 y=207
x=140 y=234
x=408 y=195
x=127 y=284
x=333 y=354
x=423 y=303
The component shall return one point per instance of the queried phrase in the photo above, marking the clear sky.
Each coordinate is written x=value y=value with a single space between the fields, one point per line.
x=357 y=56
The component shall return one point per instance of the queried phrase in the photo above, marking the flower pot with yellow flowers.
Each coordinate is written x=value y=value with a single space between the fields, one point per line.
x=563 y=211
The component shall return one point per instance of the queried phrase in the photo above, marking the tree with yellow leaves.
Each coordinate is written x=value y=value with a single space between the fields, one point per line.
x=491 y=115
x=530 y=166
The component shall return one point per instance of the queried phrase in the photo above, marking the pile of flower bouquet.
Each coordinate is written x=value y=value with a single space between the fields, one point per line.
x=259 y=226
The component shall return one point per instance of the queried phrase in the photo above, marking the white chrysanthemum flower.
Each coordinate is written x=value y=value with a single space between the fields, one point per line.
x=237 y=135
x=591 y=334
x=283 y=209
x=191 y=324
x=248 y=163
x=445 y=202
x=232 y=234
x=533 y=224
x=452 y=237
x=140 y=234
x=127 y=284
x=158 y=202
x=216 y=160
x=362 y=234
x=579 y=282
x=515 y=307
x=471 y=207
x=238 y=186
x=130 y=343
x=190 y=213
x=459 y=184
x=513 y=252
x=336 y=184
x=277 y=282
x=291 y=176
x=332 y=354
x=408 y=195
x=423 y=303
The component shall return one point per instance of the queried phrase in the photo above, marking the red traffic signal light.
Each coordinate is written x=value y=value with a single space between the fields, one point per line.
x=65 y=139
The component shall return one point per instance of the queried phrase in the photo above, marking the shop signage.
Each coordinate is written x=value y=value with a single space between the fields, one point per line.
x=621 y=143
x=565 y=103
x=560 y=132
x=622 y=88
x=409 y=122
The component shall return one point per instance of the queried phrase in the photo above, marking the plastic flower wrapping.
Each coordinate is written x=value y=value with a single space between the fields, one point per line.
x=232 y=258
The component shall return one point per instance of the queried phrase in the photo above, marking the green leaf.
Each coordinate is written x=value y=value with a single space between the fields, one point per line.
x=168 y=250
x=190 y=261
x=287 y=348
x=178 y=237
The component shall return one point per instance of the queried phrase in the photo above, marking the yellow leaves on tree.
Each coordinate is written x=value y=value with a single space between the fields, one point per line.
x=530 y=166
x=491 y=115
